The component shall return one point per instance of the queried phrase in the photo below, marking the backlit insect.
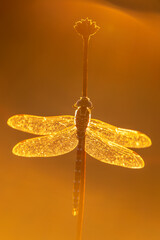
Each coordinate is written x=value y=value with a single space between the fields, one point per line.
x=61 y=134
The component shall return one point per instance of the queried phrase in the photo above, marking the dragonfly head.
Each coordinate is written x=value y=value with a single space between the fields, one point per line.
x=84 y=102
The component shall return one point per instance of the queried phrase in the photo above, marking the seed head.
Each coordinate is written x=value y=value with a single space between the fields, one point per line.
x=86 y=27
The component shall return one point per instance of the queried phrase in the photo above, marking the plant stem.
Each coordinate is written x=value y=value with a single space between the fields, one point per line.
x=85 y=65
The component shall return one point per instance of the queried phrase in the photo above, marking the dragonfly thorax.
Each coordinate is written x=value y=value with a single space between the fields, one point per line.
x=82 y=118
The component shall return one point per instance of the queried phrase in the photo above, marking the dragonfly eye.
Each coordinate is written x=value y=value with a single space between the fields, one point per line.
x=84 y=102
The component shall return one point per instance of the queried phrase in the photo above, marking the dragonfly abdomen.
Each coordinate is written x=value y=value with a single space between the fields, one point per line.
x=82 y=120
x=78 y=175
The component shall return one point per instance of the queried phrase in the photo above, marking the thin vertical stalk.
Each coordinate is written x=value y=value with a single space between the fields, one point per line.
x=85 y=28
x=85 y=65
x=82 y=193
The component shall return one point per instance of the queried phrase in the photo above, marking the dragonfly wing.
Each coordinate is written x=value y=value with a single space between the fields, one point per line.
x=48 y=146
x=40 y=125
x=110 y=152
x=124 y=137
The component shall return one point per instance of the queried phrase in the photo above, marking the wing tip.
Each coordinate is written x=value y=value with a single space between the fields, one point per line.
x=141 y=165
x=140 y=162
x=15 y=152
x=12 y=119
x=18 y=150
x=9 y=121
x=147 y=142
x=20 y=154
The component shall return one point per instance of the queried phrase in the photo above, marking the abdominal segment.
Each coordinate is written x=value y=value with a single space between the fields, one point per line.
x=78 y=176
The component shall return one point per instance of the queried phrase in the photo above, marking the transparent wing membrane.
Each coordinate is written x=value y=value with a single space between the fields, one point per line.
x=48 y=146
x=124 y=137
x=110 y=152
x=40 y=125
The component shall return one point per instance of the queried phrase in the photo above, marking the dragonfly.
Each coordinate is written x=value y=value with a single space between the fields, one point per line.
x=59 y=135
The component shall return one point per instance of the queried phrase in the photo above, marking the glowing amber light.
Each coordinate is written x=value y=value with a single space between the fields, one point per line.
x=104 y=142
x=61 y=134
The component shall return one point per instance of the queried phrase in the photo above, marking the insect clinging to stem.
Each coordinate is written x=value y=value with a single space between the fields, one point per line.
x=61 y=134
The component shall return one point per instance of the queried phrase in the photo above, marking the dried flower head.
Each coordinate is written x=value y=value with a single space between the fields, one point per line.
x=86 y=27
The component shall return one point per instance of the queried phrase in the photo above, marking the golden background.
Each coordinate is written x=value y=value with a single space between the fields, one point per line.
x=41 y=74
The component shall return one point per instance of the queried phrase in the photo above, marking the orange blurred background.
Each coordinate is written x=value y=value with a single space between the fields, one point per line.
x=41 y=74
